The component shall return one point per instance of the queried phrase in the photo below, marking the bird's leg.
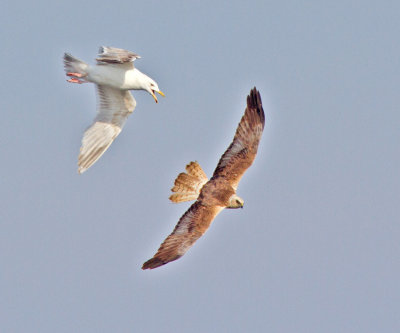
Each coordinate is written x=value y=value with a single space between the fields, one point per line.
x=76 y=77
x=73 y=80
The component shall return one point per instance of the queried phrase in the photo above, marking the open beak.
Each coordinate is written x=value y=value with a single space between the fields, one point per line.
x=154 y=95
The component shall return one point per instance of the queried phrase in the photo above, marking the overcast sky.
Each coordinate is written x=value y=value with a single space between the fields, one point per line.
x=316 y=247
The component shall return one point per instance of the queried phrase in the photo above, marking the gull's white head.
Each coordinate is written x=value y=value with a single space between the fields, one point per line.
x=152 y=87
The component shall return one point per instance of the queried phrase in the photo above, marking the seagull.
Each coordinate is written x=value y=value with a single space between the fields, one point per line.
x=114 y=75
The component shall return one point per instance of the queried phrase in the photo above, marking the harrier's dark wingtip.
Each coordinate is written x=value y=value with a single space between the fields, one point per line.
x=254 y=102
x=152 y=263
x=254 y=99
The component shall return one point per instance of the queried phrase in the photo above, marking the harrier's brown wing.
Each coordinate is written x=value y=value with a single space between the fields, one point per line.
x=191 y=226
x=243 y=149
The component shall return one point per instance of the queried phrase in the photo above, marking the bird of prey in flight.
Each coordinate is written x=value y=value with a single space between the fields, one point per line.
x=213 y=195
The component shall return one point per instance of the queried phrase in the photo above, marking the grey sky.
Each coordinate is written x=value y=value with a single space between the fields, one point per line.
x=316 y=248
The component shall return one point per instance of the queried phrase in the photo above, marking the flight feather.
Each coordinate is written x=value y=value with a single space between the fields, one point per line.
x=215 y=194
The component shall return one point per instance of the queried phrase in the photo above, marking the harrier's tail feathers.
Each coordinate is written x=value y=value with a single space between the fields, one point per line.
x=182 y=197
x=194 y=169
x=74 y=65
x=187 y=185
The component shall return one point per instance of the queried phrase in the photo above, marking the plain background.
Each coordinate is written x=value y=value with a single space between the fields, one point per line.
x=316 y=248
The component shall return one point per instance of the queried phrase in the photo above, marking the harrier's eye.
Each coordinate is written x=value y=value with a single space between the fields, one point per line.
x=238 y=202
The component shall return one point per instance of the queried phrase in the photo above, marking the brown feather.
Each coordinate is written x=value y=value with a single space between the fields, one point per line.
x=194 y=169
x=191 y=226
x=187 y=186
x=242 y=151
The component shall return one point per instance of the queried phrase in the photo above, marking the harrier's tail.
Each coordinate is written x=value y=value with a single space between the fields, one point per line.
x=74 y=65
x=187 y=185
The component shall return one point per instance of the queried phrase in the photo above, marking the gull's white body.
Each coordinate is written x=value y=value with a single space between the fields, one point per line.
x=114 y=75
x=121 y=76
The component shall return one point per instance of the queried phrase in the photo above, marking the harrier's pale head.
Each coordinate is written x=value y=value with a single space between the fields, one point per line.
x=235 y=202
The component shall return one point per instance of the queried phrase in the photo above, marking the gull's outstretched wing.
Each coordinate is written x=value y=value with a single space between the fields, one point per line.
x=114 y=55
x=114 y=107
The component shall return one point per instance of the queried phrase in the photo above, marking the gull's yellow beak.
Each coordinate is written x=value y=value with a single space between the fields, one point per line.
x=154 y=95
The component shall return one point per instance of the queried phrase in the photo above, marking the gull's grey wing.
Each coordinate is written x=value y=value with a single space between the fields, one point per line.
x=113 y=55
x=114 y=107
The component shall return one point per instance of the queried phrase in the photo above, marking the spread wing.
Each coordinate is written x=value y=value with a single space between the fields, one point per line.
x=191 y=226
x=113 y=55
x=243 y=149
x=114 y=107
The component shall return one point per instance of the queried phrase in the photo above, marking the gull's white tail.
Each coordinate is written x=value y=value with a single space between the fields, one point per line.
x=187 y=186
x=74 y=65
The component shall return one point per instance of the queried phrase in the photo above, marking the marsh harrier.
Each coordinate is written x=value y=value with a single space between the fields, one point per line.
x=213 y=195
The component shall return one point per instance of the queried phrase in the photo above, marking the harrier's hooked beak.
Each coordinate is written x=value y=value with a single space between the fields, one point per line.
x=154 y=95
